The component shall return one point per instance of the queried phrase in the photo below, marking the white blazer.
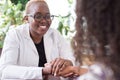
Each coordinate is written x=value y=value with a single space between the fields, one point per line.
x=19 y=59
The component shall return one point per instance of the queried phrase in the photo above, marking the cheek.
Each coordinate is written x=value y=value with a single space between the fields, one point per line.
x=49 y=22
x=30 y=20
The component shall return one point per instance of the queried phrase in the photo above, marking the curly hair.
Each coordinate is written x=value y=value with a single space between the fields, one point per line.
x=98 y=32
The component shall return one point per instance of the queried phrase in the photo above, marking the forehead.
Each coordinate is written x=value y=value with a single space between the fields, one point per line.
x=40 y=7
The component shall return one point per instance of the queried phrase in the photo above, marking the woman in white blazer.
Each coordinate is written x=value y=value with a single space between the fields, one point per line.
x=20 y=55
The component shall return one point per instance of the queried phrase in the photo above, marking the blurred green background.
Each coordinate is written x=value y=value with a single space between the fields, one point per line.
x=11 y=15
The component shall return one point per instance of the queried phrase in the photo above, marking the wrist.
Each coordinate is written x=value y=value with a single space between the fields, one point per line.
x=82 y=71
x=44 y=71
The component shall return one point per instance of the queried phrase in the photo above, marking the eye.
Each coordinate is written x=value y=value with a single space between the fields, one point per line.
x=47 y=16
x=38 y=16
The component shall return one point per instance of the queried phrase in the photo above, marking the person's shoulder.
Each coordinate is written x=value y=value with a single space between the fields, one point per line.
x=18 y=29
x=53 y=31
x=23 y=26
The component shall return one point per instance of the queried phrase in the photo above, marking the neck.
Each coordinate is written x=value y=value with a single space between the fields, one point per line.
x=36 y=38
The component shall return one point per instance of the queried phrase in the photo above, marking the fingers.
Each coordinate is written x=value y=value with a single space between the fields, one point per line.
x=72 y=71
x=67 y=71
x=68 y=75
x=56 y=65
x=64 y=65
x=64 y=68
x=59 y=64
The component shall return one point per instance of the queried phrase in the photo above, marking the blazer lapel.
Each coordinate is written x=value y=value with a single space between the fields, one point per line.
x=29 y=40
x=48 y=45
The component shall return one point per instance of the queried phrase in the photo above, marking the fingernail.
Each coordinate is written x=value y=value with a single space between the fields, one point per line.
x=55 y=74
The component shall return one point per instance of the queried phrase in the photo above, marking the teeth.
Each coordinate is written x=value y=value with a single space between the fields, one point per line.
x=43 y=26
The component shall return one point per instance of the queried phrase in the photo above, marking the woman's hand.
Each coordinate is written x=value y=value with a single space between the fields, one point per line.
x=69 y=71
x=59 y=64
x=72 y=71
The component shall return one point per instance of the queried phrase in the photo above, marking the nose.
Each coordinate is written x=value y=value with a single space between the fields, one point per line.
x=43 y=19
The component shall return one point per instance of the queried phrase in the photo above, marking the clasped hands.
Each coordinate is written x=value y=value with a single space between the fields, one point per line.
x=63 y=67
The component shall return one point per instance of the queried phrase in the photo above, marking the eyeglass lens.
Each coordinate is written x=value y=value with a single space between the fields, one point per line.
x=39 y=17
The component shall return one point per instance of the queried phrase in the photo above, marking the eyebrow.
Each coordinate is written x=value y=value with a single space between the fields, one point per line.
x=41 y=13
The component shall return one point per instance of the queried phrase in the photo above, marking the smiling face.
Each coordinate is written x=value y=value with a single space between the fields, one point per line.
x=38 y=27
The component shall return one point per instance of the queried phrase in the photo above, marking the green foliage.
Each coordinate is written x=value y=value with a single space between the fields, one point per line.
x=70 y=1
x=3 y=34
x=63 y=26
x=65 y=22
x=23 y=2
x=11 y=15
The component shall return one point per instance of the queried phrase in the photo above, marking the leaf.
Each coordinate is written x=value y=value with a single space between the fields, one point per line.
x=67 y=29
x=70 y=1
x=60 y=27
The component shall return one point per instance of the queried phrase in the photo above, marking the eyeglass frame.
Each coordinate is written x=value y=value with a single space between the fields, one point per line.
x=42 y=17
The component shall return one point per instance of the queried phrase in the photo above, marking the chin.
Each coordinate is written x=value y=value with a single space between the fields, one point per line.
x=42 y=33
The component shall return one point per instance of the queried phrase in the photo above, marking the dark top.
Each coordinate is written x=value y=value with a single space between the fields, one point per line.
x=41 y=52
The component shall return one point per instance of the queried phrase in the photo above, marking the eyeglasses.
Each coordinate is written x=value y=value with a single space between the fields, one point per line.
x=39 y=17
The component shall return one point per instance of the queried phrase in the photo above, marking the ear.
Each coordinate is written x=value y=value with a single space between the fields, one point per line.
x=25 y=18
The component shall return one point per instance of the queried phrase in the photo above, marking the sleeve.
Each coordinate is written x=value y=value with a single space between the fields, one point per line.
x=20 y=72
x=9 y=68
x=65 y=49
